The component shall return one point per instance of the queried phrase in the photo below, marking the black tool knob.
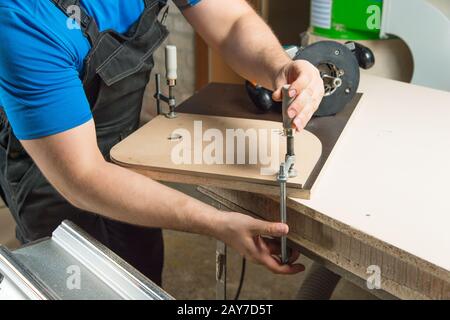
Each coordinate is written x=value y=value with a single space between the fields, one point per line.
x=365 y=56
x=260 y=96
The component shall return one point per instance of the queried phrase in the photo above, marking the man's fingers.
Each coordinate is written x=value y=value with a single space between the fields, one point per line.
x=300 y=84
x=303 y=100
x=262 y=251
x=306 y=86
x=307 y=104
x=276 y=267
x=301 y=81
x=276 y=96
x=273 y=263
x=274 y=248
x=295 y=254
x=271 y=229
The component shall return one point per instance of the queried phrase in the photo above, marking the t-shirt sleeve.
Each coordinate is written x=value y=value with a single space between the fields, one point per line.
x=183 y=4
x=40 y=88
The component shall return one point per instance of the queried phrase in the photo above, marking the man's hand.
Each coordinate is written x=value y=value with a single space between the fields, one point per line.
x=250 y=47
x=306 y=86
x=245 y=234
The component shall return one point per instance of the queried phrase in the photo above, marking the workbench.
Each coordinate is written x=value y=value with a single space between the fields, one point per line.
x=379 y=195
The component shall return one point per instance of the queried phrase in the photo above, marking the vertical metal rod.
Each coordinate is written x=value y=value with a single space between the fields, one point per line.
x=172 y=105
x=158 y=93
x=290 y=142
x=287 y=168
x=284 y=255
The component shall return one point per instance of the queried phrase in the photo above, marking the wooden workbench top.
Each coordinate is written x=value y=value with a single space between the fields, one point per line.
x=381 y=197
x=381 y=194
x=388 y=176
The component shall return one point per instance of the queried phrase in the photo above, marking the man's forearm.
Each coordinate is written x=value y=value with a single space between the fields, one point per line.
x=244 y=40
x=253 y=51
x=123 y=195
x=250 y=47
x=126 y=196
x=87 y=181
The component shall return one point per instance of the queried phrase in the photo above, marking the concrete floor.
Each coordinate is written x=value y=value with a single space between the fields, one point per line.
x=189 y=271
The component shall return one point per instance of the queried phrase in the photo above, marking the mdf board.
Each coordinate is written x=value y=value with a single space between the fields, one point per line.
x=382 y=197
x=239 y=154
x=387 y=180
x=342 y=249
x=388 y=174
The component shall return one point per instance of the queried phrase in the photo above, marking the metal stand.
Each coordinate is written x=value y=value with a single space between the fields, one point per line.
x=71 y=265
x=287 y=169
x=170 y=100
x=171 y=76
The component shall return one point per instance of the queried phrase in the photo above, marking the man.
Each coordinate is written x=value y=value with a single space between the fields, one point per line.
x=69 y=94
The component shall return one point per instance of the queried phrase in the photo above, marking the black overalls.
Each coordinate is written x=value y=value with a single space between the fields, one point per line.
x=116 y=72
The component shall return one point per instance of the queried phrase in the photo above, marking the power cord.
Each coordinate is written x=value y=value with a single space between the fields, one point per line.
x=241 y=280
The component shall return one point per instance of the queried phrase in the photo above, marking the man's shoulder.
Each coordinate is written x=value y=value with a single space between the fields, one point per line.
x=37 y=24
x=37 y=12
x=23 y=6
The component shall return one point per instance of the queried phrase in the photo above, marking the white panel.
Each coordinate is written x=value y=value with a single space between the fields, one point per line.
x=426 y=30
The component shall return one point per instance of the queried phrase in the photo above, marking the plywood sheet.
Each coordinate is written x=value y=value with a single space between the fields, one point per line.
x=340 y=247
x=197 y=160
x=388 y=176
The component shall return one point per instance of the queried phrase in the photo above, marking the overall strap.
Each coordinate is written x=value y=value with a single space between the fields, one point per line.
x=161 y=4
x=149 y=3
x=87 y=23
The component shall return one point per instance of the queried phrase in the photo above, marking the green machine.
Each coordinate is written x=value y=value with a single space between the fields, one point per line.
x=346 y=19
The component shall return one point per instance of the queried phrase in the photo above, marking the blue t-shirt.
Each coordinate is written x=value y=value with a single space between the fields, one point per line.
x=41 y=61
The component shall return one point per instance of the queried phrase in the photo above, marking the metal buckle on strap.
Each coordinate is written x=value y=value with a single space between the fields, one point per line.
x=165 y=14
x=85 y=20
x=65 y=4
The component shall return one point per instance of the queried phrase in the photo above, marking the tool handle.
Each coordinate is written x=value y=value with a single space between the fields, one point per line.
x=364 y=55
x=171 y=62
x=287 y=101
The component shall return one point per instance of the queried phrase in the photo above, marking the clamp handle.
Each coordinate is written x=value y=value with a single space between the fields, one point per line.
x=287 y=101
x=171 y=63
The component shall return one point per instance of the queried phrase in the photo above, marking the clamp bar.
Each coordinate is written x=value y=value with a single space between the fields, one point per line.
x=282 y=179
x=171 y=77
x=287 y=168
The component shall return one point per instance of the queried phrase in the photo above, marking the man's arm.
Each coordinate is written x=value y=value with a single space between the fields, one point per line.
x=73 y=164
x=249 y=46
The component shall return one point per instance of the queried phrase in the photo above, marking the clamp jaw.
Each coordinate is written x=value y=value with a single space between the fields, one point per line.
x=171 y=76
x=287 y=169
